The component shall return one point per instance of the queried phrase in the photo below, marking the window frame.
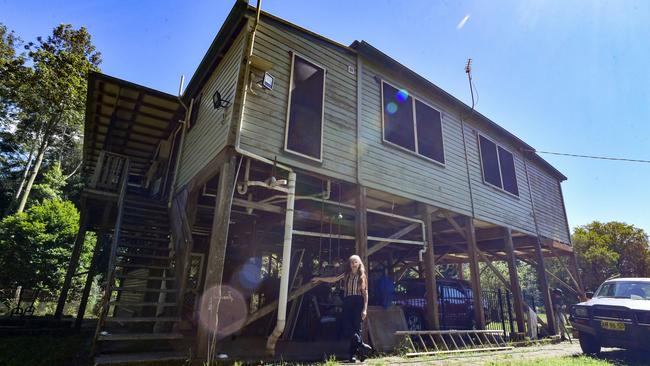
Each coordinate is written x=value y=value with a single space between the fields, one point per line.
x=480 y=155
x=322 y=118
x=415 y=127
x=196 y=108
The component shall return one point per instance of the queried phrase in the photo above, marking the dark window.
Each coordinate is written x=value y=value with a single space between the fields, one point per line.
x=398 y=117
x=490 y=162
x=305 y=123
x=498 y=166
x=196 y=106
x=508 y=174
x=429 y=128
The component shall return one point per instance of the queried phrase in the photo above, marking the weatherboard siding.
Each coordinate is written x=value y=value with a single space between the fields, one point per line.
x=492 y=204
x=210 y=133
x=549 y=205
x=265 y=113
x=388 y=168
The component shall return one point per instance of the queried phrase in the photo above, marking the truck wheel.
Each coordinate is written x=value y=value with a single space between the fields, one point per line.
x=589 y=344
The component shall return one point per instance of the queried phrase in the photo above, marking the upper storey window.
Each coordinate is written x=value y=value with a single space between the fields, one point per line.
x=498 y=166
x=304 y=130
x=411 y=124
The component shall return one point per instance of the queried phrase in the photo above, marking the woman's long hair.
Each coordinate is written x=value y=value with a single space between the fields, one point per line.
x=362 y=268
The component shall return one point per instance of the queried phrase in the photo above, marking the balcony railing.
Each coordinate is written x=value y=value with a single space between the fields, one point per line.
x=109 y=172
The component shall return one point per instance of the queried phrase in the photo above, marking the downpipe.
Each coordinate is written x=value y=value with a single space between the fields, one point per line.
x=286 y=264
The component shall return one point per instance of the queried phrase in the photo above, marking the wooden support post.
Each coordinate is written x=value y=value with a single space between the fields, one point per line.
x=90 y=276
x=430 y=269
x=544 y=288
x=573 y=267
x=515 y=289
x=74 y=260
x=361 y=225
x=461 y=273
x=475 y=278
x=216 y=257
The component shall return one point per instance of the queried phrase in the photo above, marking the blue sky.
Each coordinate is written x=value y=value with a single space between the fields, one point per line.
x=568 y=76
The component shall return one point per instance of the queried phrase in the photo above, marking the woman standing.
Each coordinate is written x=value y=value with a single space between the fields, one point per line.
x=355 y=304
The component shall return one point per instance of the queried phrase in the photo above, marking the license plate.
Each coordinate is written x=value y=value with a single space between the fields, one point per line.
x=609 y=325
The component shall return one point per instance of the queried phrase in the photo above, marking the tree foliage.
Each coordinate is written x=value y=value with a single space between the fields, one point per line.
x=35 y=246
x=607 y=249
x=44 y=95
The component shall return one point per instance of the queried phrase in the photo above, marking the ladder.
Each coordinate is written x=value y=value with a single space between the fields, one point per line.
x=435 y=342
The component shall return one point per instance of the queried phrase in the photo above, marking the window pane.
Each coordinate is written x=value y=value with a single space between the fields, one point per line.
x=429 y=127
x=490 y=162
x=398 y=117
x=508 y=171
x=306 y=109
x=195 y=111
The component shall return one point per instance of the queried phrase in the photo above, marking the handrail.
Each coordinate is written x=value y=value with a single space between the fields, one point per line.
x=108 y=171
x=110 y=271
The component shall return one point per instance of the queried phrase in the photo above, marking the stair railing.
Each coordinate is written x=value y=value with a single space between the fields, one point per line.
x=109 y=172
x=110 y=271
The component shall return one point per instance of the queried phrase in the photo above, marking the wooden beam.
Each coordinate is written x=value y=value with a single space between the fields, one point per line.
x=475 y=278
x=457 y=227
x=361 y=225
x=74 y=259
x=544 y=288
x=515 y=288
x=216 y=255
x=578 y=289
x=430 y=266
x=379 y=245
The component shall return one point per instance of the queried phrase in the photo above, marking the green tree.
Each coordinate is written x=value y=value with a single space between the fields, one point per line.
x=35 y=246
x=607 y=249
x=50 y=96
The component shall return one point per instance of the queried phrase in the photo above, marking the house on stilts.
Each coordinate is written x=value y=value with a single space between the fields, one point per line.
x=286 y=153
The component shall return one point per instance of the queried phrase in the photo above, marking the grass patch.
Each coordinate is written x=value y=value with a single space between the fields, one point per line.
x=556 y=361
x=43 y=350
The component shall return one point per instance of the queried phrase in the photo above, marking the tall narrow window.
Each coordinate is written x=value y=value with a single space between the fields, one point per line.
x=498 y=166
x=196 y=106
x=429 y=129
x=398 y=117
x=304 y=131
x=508 y=173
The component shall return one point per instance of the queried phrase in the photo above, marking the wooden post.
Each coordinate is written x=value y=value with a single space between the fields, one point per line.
x=573 y=267
x=544 y=288
x=475 y=278
x=515 y=289
x=430 y=269
x=90 y=276
x=461 y=273
x=361 y=226
x=74 y=260
x=216 y=256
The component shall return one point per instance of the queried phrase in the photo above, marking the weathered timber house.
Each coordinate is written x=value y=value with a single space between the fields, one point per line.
x=287 y=152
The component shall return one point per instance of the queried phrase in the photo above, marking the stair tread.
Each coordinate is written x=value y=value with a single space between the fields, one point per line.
x=137 y=237
x=122 y=303
x=140 y=319
x=138 y=336
x=140 y=289
x=147 y=278
x=147 y=266
x=145 y=247
x=119 y=358
x=138 y=255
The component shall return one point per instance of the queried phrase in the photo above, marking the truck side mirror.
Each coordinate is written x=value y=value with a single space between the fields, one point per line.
x=589 y=294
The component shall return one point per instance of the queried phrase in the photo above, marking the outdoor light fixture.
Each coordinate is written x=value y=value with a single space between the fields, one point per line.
x=267 y=81
x=218 y=101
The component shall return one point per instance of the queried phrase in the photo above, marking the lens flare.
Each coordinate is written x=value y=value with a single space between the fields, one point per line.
x=391 y=108
x=402 y=95
x=232 y=309
x=249 y=276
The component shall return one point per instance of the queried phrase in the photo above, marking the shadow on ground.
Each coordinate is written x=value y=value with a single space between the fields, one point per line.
x=617 y=356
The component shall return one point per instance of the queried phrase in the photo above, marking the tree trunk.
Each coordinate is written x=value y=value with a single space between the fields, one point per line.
x=32 y=177
x=25 y=173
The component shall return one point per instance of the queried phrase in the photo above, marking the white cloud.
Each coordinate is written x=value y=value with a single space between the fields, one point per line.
x=461 y=24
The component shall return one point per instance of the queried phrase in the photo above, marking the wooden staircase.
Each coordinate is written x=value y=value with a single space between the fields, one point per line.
x=140 y=312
